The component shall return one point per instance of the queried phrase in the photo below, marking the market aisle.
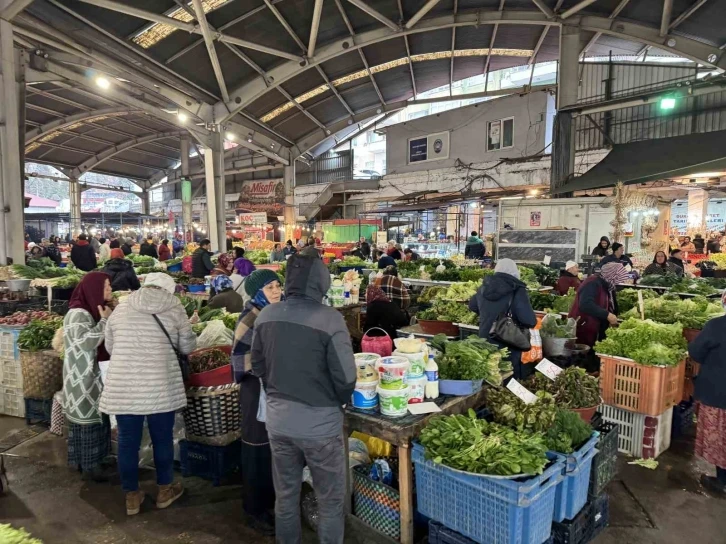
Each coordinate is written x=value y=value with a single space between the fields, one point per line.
x=647 y=507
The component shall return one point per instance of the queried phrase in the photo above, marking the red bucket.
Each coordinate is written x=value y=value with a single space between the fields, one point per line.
x=219 y=376
x=382 y=345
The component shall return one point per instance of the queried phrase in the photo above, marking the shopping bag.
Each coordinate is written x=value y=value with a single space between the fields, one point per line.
x=535 y=353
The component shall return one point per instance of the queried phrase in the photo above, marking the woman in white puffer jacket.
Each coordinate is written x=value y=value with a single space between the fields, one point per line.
x=144 y=381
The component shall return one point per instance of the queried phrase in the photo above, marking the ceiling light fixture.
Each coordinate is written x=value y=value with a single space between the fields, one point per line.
x=230 y=136
x=183 y=117
x=103 y=82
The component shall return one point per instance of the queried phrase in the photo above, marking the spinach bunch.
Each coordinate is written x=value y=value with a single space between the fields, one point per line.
x=472 y=359
x=568 y=433
x=39 y=334
x=659 y=280
x=474 y=445
x=628 y=298
x=509 y=410
x=541 y=301
x=564 y=303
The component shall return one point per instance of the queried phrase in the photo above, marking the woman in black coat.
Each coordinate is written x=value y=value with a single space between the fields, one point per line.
x=500 y=292
x=710 y=393
x=123 y=275
x=384 y=314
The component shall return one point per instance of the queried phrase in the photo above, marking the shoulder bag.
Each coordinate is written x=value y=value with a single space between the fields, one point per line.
x=183 y=359
x=508 y=332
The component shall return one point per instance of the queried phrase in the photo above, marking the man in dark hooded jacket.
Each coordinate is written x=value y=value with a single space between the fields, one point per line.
x=122 y=273
x=501 y=293
x=475 y=248
x=308 y=377
x=601 y=250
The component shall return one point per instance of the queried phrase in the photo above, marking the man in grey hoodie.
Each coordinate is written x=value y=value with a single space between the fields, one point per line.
x=302 y=351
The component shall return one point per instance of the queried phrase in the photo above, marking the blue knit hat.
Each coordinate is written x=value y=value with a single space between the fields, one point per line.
x=258 y=279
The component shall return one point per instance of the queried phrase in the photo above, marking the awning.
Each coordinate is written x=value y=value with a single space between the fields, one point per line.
x=651 y=160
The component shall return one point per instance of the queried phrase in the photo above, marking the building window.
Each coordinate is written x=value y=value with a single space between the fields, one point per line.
x=500 y=134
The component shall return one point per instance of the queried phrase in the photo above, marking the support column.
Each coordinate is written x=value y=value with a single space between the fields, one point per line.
x=74 y=194
x=186 y=186
x=214 y=179
x=12 y=204
x=289 y=212
x=563 y=144
x=145 y=202
x=697 y=211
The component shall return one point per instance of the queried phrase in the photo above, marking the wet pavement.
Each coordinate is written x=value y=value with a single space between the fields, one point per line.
x=664 y=506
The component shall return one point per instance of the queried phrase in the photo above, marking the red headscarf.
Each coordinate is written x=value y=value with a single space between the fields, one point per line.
x=375 y=294
x=117 y=254
x=225 y=262
x=88 y=295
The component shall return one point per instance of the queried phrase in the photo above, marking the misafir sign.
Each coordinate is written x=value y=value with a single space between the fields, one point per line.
x=262 y=196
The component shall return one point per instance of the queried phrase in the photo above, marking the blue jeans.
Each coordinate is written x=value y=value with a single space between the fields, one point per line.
x=161 y=430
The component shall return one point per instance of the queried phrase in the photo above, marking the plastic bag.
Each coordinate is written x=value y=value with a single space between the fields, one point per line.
x=357 y=452
x=376 y=446
x=535 y=339
x=555 y=326
x=215 y=334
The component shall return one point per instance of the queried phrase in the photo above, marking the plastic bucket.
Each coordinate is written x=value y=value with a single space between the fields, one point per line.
x=366 y=365
x=418 y=362
x=392 y=371
x=365 y=395
x=417 y=387
x=394 y=402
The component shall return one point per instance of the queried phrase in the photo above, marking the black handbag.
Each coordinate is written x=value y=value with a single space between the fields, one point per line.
x=183 y=359
x=506 y=331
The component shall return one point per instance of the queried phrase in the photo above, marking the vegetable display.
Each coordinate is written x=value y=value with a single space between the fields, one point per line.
x=141 y=260
x=471 y=359
x=38 y=335
x=67 y=282
x=258 y=256
x=460 y=292
x=572 y=388
x=23 y=318
x=475 y=274
x=43 y=269
x=555 y=326
x=691 y=313
x=449 y=311
x=511 y=411
x=446 y=275
x=564 y=303
x=544 y=274
x=430 y=293
x=9 y=535
x=628 y=298
x=646 y=342
x=208 y=360
x=474 y=445
x=541 y=301
x=693 y=286
x=568 y=432
x=528 y=277
x=659 y=280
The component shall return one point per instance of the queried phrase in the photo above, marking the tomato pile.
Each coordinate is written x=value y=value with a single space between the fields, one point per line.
x=23 y=318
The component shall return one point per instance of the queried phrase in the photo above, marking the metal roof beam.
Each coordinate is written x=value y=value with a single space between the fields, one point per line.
x=695 y=50
x=666 y=17
x=209 y=42
x=58 y=124
x=245 y=59
x=576 y=8
x=453 y=45
x=332 y=88
x=13 y=8
x=315 y=27
x=111 y=152
x=428 y=6
x=408 y=51
x=620 y=7
x=302 y=109
x=276 y=12
x=544 y=8
x=375 y=14
x=539 y=44
x=686 y=14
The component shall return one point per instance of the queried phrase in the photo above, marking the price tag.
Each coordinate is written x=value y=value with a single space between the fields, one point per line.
x=546 y=260
x=548 y=368
x=524 y=394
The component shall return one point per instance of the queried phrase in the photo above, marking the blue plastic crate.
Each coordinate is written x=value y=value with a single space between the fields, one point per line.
x=174 y=268
x=571 y=493
x=213 y=463
x=38 y=410
x=488 y=508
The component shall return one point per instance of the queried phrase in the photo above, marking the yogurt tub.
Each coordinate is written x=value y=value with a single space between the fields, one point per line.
x=365 y=395
x=417 y=387
x=392 y=370
x=394 y=402
x=418 y=362
x=366 y=364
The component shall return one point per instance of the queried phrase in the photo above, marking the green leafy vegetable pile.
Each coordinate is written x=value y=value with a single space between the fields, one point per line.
x=9 y=535
x=67 y=282
x=258 y=256
x=474 y=445
x=528 y=276
x=449 y=311
x=39 y=334
x=43 y=269
x=140 y=260
x=568 y=433
x=555 y=326
x=471 y=359
x=430 y=293
x=659 y=280
x=475 y=274
x=544 y=274
x=573 y=388
x=460 y=292
x=564 y=303
x=628 y=298
x=541 y=301
x=646 y=342
x=691 y=313
x=509 y=410
x=693 y=286
x=450 y=274
x=190 y=304
x=207 y=360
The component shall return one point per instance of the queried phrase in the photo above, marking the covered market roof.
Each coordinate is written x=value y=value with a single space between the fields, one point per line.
x=281 y=76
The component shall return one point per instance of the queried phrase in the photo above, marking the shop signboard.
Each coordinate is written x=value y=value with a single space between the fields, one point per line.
x=265 y=196
x=418 y=150
x=254 y=218
x=432 y=147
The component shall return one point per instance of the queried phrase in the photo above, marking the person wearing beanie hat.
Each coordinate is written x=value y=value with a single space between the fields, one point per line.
x=258 y=491
x=225 y=296
x=122 y=273
x=568 y=278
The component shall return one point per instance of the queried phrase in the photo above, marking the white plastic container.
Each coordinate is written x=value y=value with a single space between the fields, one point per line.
x=394 y=402
x=366 y=365
x=417 y=388
x=365 y=395
x=417 y=360
x=392 y=371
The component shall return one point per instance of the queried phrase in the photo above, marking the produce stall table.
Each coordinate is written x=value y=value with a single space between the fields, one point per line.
x=417 y=333
x=351 y=314
x=400 y=432
x=427 y=283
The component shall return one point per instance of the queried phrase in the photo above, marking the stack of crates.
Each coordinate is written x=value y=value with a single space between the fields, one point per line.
x=11 y=376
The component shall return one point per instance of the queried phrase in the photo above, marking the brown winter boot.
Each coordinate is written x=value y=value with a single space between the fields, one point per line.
x=133 y=502
x=168 y=494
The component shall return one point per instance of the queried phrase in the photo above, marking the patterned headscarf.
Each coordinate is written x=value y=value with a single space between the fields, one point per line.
x=221 y=282
x=375 y=294
x=614 y=273
x=225 y=262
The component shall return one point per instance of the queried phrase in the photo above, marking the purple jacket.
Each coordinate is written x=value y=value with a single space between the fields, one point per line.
x=243 y=267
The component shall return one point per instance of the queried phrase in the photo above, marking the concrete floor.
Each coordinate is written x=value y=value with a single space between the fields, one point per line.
x=665 y=506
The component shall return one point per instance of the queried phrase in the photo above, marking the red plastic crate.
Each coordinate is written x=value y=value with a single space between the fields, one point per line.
x=648 y=390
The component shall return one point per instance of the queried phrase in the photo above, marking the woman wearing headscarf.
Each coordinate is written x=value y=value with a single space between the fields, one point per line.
x=242 y=265
x=393 y=288
x=710 y=393
x=258 y=490
x=225 y=296
x=382 y=313
x=596 y=307
x=224 y=265
x=503 y=292
x=144 y=382
x=89 y=433
x=661 y=266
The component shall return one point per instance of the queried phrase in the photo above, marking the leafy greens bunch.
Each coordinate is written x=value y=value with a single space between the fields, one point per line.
x=694 y=286
x=691 y=313
x=555 y=326
x=460 y=292
x=628 y=298
x=544 y=274
x=449 y=311
x=509 y=410
x=659 y=280
x=646 y=342
x=541 y=301
x=474 y=445
x=572 y=388
x=564 y=303
x=568 y=433
x=471 y=359
x=39 y=334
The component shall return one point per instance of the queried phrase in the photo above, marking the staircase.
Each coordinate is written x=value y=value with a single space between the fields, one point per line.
x=332 y=197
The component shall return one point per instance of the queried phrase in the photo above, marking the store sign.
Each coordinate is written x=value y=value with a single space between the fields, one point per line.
x=266 y=196
x=252 y=218
x=535 y=219
x=433 y=147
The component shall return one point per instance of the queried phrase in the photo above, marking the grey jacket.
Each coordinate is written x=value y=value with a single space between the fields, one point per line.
x=303 y=353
